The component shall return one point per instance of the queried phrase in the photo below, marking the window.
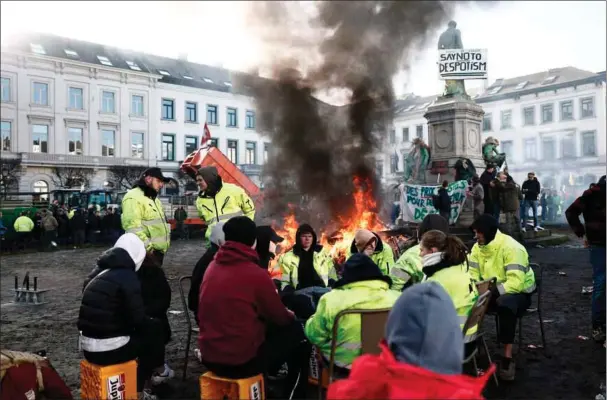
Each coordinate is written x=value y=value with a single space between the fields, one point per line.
x=506 y=119
x=74 y=146
x=137 y=145
x=405 y=135
x=107 y=102
x=39 y=138
x=521 y=85
x=212 y=114
x=507 y=147
x=250 y=119
x=214 y=142
x=6 y=89
x=228 y=84
x=409 y=108
x=549 y=148
x=191 y=144
x=5 y=135
x=393 y=163
x=494 y=90
x=568 y=149
x=566 y=110
x=41 y=94
x=168 y=109
x=423 y=106
x=71 y=53
x=546 y=113
x=232 y=117
x=37 y=48
x=76 y=98
x=530 y=149
x=233 y=151
x=163 y=72
x=529 y=115
x=548 y=80
x=108 y=143
x=191 y=112
x=419 y=131
x=207 y=80
x=104 y=60
x=587 y=107
x=188 y=77
x=168 y=147
x=266 y=152
x=487 y=122
x=250 y=154
x=392 y=136
x=589 y=144
x=41 y=187
x=137 y=105
x=132 y=65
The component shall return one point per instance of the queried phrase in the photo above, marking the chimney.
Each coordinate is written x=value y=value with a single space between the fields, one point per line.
x=183 y=57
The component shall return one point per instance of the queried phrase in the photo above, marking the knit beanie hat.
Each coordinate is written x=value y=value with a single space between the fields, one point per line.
x=362 y=238
x=241 y=230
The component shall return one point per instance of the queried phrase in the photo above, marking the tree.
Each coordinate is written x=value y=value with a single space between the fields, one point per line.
x=124 y=177
x=71 y=177
x=10 y=172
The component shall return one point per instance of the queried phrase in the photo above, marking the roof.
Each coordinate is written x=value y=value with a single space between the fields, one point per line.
x=411 y=103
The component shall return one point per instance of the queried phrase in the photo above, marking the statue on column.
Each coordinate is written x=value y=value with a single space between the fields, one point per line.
x=416 y=162
x=451 y=39
x=490 y=154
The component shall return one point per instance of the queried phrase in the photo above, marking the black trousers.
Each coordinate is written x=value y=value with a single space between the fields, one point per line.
x=508 y=308
x=283 y=344
x=147 y=348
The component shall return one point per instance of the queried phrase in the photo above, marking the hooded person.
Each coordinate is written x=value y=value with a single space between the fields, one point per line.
x=498 y=255
x=219 y=201
x=370 y=243
x=112 y=320
x=421 y=356
x=362 y=286
x=407 y=270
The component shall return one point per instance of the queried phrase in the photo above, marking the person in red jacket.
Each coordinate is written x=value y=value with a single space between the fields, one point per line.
x=244 y=327
x=421 y=356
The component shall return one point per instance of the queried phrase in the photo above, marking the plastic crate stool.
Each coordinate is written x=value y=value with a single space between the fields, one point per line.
x=111 y=382
x=215 y=387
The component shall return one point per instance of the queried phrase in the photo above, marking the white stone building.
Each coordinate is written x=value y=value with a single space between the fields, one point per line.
x=70 y=103
x=551 y=122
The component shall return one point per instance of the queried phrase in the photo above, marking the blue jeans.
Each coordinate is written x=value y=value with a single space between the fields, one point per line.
x=526 y=205
x=597 y=259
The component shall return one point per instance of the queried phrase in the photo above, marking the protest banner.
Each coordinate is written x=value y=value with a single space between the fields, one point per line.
x=460 y=64
x=416 y=201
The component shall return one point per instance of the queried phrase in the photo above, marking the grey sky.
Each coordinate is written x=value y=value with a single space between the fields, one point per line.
x=521 y=37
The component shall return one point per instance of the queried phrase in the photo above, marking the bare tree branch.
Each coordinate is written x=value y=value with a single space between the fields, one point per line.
x=124 y=177
x=10 y=170
x=71 y=177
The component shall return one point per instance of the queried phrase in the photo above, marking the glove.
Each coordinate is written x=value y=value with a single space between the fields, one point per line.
x=494 y=292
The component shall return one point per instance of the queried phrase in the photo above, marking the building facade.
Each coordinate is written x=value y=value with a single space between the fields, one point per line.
x=77 y=105
x=551 y=123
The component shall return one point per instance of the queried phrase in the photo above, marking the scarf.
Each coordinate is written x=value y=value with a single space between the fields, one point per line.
x=432 y=259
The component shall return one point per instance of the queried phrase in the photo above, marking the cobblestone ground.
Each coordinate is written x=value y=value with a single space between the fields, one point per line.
x=572 y=368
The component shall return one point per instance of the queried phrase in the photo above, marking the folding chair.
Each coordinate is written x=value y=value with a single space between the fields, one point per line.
x=475 y=319
x=191 y=329
x=537 y=268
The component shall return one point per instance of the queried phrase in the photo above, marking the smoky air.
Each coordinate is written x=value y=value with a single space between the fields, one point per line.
x=354 y=46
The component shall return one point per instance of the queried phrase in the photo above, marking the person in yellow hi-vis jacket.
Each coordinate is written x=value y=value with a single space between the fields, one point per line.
x=143 y=215
x=370 y=243
x=498 y=255
x=219 y=201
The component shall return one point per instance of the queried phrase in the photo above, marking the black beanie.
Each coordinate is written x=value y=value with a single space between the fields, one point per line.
x=241 y=230
x=487 y=225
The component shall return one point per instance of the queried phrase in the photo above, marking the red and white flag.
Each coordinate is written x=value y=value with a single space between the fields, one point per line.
x=206 y=136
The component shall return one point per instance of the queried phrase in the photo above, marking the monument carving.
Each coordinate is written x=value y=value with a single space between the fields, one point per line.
x=451 y=39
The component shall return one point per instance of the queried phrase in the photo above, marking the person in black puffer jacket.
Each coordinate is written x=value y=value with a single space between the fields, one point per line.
x=112 y=321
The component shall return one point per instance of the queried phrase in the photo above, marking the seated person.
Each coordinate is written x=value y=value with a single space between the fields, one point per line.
x=362 y=286
x=444 y=259
x=501 y=256
x=407 y=270
x=369 y=243
x=112 y=320
x=421 y=355
x=244 y=328
x=267 y=240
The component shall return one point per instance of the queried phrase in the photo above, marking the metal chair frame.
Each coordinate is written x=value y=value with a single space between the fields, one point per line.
x=191 y=329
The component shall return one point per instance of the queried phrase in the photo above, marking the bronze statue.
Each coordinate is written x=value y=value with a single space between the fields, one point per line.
x=449 y=40
x=417 y=162
x=490 y=154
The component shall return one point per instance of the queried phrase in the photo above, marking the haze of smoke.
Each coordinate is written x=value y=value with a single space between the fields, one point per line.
x=354 y=45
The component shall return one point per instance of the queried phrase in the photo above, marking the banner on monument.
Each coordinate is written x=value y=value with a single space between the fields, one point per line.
x=459 y=64
x=416 y=201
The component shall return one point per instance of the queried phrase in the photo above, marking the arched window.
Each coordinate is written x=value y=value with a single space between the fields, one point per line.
x=41 y=187
x=171 y=188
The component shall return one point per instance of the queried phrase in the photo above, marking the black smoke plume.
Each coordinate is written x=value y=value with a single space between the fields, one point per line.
x=353 y=46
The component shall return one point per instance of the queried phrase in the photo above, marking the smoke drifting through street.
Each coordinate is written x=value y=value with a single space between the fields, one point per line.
x=356 y=47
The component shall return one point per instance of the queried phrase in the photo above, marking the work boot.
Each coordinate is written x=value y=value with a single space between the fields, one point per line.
x=167 y=374
x=507 y=369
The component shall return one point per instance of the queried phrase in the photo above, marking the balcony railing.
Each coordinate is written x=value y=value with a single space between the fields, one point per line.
x=68 y=159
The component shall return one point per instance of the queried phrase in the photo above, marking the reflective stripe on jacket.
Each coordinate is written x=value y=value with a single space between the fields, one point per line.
x=230 y=201
x=383 y=258
x=366 y=295
x=407 y=268
x=145 y=218
x=23 y=224
x=289 y=264
x=505 y=259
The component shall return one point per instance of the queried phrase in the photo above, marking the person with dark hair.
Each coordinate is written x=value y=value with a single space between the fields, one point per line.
x=407 y=270
x=267 y=240
x=501 y=256
x=421 y=355
x=445 y=261
x=477 y=194
x=489 y=200
x=510 y=197
x=531 y=190
x=591 y=204
x=442 y=201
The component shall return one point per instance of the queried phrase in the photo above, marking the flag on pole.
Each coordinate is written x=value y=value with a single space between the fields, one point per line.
x=206 y=136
